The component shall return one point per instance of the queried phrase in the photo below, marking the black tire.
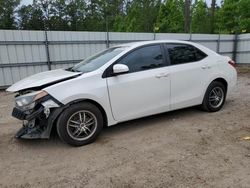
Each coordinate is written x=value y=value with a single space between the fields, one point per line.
x=64 y=129
x=206 y=104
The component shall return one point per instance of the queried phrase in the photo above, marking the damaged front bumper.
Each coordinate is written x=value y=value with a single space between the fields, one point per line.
x=38 y=122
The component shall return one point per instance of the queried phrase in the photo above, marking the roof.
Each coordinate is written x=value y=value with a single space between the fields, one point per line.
x=140 y=43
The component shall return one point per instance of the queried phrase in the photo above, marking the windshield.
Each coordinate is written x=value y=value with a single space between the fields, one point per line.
x=96 y=61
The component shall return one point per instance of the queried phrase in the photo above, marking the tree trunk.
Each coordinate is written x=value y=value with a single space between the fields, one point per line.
x=187 y=16
x=212 y=16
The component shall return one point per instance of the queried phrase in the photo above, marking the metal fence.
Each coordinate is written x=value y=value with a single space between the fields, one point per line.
x=23 y=53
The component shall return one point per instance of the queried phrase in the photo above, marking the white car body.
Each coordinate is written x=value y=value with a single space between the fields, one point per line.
x=135 y=95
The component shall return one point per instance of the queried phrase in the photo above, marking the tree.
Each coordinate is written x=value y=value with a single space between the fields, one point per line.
x=138 y=16
x=244 y=16
x=46 y=7
x=171 y=18
x=213 y=4
x=58 y=17
x=187 y=16
x=95 y=20
x=200 y=18
x=128 y=15
x=30 y=18
x=75 y=12
x=234 y=16
x=114 y=9
x=7 y=13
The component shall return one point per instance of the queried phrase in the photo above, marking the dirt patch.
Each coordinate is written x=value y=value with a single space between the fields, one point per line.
x=184 y=148
x=243 y=69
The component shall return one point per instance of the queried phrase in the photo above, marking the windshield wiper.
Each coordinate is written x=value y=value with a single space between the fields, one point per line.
x=72 y=70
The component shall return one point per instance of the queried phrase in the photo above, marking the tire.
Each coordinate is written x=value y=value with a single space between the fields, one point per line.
x=211 y=99
x=75 y=125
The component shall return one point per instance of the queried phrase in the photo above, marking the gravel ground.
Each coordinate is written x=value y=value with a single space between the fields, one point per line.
x=184 y=148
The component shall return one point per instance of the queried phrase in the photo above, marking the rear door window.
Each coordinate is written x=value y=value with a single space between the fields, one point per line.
x=184 y=53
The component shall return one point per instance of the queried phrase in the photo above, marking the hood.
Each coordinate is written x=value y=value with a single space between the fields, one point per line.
x=41 y=79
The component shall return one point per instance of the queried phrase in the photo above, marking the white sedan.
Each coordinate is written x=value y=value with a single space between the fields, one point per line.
x=121 y=83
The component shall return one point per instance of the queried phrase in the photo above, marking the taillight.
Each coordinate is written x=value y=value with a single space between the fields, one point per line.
x=232 y=62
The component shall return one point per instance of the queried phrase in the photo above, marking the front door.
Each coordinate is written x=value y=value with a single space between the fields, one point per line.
x=145 y=89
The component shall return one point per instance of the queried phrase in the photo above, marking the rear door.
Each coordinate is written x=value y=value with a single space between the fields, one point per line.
x=189 y=72
x=145 y=89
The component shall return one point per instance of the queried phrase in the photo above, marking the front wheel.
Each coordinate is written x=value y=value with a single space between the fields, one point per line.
x=215 y=97
x=80 y=124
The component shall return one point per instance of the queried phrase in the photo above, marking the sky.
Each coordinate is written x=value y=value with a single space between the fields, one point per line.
x=26 y=2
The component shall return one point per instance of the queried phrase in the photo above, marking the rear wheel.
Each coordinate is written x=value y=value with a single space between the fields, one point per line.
x=215 y=97
x=80 y=124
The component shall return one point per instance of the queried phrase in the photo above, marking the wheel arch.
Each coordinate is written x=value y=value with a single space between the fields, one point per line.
x=204 y=104
x=218 y=79
x=221 y=80
x=99 y=106
x=56 y=114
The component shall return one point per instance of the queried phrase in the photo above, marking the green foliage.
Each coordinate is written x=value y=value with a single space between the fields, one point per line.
x=7 y=13
x=230 y=16
x=30 y=18
x=200 y=18
x=140 y=16
x=234 y=16
x=75 y=11
x=171 y=17
x=244 y=14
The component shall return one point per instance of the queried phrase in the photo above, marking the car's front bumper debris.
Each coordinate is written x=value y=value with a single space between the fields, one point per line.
x=38 y=122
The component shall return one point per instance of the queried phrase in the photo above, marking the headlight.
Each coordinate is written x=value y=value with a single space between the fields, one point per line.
x=27 y=101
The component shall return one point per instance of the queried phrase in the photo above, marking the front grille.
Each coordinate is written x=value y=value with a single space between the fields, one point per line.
x=17 y=113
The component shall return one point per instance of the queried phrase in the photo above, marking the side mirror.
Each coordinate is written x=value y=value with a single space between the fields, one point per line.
x=120 y=68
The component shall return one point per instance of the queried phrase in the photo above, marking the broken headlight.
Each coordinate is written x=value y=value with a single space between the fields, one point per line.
x=27 y=101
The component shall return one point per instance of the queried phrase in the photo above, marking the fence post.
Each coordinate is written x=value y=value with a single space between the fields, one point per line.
x=235 y=47
x=47 y=49
x=107 y=32
x=107 y=41
x=190 y=36
x=218 y=44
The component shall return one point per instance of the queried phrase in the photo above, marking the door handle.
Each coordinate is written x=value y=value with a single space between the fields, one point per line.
x=162 y=75
x=206 y=67
x=166 y=74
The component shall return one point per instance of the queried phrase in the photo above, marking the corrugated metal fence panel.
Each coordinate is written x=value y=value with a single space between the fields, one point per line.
x=23 y=53
x=117 y=38
x=243 y=48
x=65 y=46
x=210 y=41
x=19 y=47
x=172 y=36
x=10 y=75
x=122 y=36
x=226 y=45
x=218 y=43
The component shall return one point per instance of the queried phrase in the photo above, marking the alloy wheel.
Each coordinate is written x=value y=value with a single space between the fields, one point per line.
x=81 y=125
x=216 y=97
